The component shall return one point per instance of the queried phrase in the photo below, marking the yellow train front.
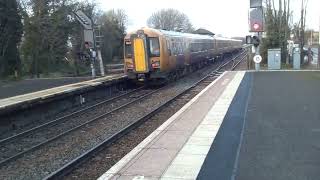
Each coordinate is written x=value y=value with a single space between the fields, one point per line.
x=159 y=55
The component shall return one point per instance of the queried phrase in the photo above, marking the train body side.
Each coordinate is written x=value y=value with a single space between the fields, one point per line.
x=152 y=54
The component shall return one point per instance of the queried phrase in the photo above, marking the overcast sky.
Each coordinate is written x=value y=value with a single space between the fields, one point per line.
x=226 y=17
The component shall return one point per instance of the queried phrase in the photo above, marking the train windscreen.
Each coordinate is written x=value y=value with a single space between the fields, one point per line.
x=154 y=47
x=128 y=49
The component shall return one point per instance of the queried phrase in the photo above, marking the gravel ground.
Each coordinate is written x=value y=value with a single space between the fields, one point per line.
x=36 y=122
x=105 y=159
x=242 y=66
x=38 y=164
x=21 y=144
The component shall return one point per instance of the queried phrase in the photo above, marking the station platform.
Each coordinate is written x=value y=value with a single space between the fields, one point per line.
x=244 y=125
x=35 y=92
x=25 y=86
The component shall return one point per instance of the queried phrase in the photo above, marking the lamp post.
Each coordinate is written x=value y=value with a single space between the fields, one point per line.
x=319 y=45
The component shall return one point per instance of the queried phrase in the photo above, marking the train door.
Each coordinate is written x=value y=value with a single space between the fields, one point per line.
x=140 y=53
x=180 y=59
x=171 y=53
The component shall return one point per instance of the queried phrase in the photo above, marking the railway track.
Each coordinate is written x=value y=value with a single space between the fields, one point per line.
x=15 y=146
x=195 y=88
x=80 y=128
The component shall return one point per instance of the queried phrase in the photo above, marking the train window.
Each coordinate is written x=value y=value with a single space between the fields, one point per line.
x=128 y=49
x=154 y=47
x=174 y=48
x=195 y=47
x=179 y=48
x=192 y=47
x=168 y=44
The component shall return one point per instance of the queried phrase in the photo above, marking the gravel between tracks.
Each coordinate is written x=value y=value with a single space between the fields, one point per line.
x=36 y=122
x=18 y=145
x=105 y=159
x=38 y=164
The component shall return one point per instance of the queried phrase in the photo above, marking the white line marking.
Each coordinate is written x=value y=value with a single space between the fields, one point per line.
x=284 y=70
x=236 y=162
x=193 y=162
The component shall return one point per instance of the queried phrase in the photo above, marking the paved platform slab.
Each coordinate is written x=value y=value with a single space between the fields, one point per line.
x=282 y=128
x=16 y=101
x=257 y=125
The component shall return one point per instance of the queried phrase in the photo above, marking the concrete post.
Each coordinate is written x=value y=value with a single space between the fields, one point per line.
x=318 y=54
x=249 y=57
x=101 y=63
x=93 y=71
x=257 y=65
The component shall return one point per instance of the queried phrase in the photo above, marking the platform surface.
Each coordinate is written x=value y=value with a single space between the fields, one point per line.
x=282 y=128
x=16 y=88
x=254 y=125
x=55 y=91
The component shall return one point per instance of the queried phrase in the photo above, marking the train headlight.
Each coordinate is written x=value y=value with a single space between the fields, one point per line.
x=155 y=65
x=129 y=66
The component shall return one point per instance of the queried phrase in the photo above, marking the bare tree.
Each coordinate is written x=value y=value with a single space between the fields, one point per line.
x=304 y=4
x=277 y=26
x=118 y=16
x=170 y=19
x=113 y=26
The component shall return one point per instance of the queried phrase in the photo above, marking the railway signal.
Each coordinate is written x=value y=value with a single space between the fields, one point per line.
x=256 y=19
x=256 y=25
x=90 y=40
x=256 y=41
x=255 y=3
x=83 y=19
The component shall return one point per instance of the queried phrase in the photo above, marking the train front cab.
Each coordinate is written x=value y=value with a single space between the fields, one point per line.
x=142 y=55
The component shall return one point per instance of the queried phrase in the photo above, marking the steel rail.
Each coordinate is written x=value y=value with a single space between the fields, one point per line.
x=57 y=120
x=16 y=156
x=106 y=143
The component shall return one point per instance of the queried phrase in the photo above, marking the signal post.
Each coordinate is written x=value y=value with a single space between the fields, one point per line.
x=92 y=41
x=256 y=25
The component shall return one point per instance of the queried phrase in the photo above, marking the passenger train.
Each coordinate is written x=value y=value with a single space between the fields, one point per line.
x=152 y=54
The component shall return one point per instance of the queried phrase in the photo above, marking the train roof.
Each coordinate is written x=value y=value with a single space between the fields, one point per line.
x=185 y=35
x=179 y=34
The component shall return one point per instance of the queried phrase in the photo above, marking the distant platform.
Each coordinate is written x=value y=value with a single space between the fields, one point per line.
x=15 y=88
x=29 y=92
x=245 y=125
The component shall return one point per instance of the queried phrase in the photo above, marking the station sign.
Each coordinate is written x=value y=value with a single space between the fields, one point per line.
x=257 y=59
